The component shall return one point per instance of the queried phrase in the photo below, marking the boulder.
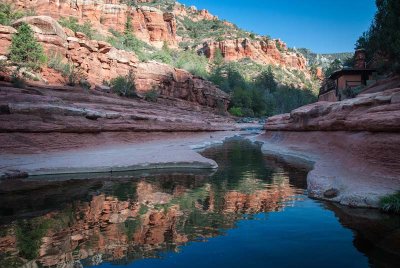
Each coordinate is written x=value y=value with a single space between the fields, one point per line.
x=43 y=25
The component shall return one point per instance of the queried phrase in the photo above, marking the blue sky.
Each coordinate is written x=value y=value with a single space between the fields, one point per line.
x=324 y=26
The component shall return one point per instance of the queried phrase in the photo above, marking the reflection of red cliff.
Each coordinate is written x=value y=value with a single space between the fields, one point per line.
x=259 y=201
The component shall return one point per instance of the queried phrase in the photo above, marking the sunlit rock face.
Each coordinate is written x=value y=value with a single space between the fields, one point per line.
x=149 y=24
x=100 y=62
x=263 y=52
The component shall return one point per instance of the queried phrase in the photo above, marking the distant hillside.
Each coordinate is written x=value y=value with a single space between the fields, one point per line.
x=323 y=60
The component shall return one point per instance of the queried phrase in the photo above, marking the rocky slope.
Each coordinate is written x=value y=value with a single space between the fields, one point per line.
x=353 y=145
x=260 y=51
x=156 y=23
x=101 y=62
x=149 y=24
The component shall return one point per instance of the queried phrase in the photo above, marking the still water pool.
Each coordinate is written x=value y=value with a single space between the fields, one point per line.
x=252 y=212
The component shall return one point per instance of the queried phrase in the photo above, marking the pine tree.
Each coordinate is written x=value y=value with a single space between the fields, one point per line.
x=25 y=50
x=218 y=57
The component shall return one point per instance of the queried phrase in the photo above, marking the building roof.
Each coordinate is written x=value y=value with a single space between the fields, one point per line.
x=350 y=71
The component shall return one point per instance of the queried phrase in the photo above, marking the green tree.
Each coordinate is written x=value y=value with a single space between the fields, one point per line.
x=218 y=58
x=383 y=37
x=334 y=66
x=25 y=50
x=266 y=81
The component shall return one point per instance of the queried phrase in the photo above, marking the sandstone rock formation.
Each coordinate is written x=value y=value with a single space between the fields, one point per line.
x=263 y=52
x=353 y=145
x=149 y=24
x=64 y=109
x=368 y=112
x=102 y=62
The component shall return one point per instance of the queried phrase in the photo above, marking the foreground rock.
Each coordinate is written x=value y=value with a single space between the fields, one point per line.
x=352 y=168
x=368 y=112
x=72 y=110
x=353 y=146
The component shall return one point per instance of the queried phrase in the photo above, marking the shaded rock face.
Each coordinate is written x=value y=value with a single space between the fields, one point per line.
x=263 y=52
x=149 y=24
x=99 y=61
x=353 y=144
x=177 y=83
x=367 y=112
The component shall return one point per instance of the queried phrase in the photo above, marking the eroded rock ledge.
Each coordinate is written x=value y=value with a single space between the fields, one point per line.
x=353 y=146
x=368 y=112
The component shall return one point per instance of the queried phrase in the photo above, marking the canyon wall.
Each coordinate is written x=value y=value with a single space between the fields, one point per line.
x=155 y=27
x=149 y=24
x=102 y=62
x=263 y=52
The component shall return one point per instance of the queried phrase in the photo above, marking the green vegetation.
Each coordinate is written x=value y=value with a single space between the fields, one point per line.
x=73 y=75
x=334 y=66
x=25 y=50
x=255 y=91
x=72 y=23
x=151 y=95
x=29 y=236
x=382 y=40
x=18 y=80
x=129 y=42
x=9 y=14
x=207 y=29
x=124 y=85
x=236 y=111
x=391 y=203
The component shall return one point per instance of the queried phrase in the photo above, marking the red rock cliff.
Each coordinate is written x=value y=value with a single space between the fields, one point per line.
x=264 y=52
x=100 y=61
x=149 y=24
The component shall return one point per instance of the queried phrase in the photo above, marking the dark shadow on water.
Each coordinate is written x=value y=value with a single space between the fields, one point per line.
x=127 y=217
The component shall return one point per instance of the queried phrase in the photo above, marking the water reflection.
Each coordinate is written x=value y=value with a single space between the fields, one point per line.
x=136 y=216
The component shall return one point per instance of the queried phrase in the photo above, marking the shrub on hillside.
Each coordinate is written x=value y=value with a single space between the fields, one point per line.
x=18 y=80
x=25 y=50
x=8 y=14
x=73 y=75
x=151 y=95
x=236 y=111
x=193 y=63
x=129 y=42
x=73 y=24
x=124 y=85
x=391 y=203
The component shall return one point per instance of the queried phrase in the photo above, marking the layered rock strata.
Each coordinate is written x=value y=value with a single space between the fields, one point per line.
x=100 y=62
x=353 y=146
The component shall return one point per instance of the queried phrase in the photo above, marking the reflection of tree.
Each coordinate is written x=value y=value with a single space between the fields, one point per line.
x=126 y=220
